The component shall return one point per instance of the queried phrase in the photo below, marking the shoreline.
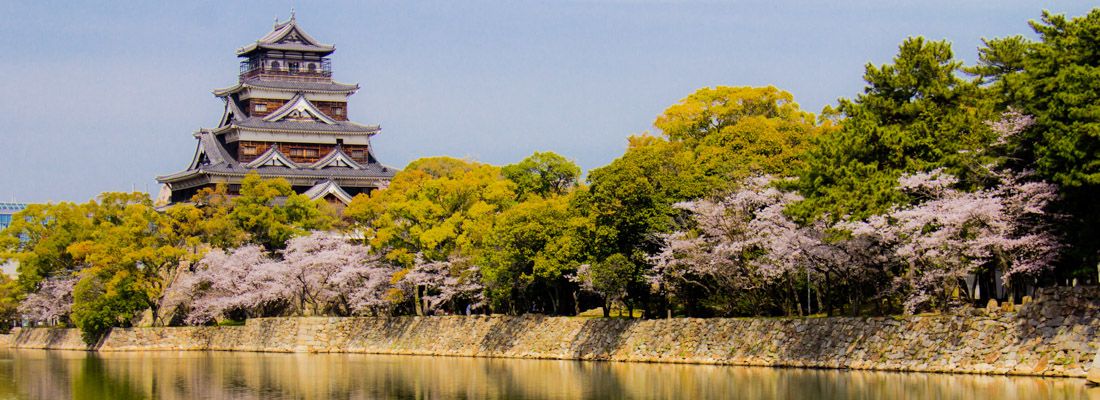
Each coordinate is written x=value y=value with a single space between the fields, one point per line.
x=1053 y=336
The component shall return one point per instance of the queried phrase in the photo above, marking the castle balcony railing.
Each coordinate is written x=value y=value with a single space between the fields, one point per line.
x=309 y=71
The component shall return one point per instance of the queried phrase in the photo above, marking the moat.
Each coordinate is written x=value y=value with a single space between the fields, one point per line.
x=50 y=374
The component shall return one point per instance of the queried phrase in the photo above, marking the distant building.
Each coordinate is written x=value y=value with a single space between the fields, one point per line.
x=285 y=118
x=7 y=210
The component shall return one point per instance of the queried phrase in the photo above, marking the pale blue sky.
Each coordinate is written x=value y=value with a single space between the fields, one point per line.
x=103 y=96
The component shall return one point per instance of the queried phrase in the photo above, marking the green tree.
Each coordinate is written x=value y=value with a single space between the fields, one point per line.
x=915 y=114
x=531 y=249
x=206 y=221
x=735 y=132
x=10 y=296
x=107 y=297
x=630 y=201
x=1055 y=80
x=543 y=174
x=610 y=278
x=38 y=239
x=258 y=211
x=437 y=207
x=126 y=262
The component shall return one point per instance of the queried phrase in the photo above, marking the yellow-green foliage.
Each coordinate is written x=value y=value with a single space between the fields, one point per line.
x=437 y=207
x=732 y=132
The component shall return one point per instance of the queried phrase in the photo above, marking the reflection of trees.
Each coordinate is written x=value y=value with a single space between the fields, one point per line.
x=40 y=374
x=219 y=375
x=94 y=382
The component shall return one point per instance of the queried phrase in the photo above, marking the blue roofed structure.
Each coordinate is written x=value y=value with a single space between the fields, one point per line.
x=7 y=210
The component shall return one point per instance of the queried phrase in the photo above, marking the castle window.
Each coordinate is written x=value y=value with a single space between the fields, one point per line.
x=338 y=111
x=300 y=152
x=293 y=66
x=248 y=150
x=312 y=67
x=261 y=107
x=276 y=66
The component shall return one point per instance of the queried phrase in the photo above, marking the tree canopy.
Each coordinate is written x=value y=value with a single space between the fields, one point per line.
x=436 y=207
x=543 y=174
x=915 y=114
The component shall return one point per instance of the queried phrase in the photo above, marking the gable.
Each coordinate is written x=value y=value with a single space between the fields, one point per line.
x=299 y=109
x=338 y=159
x=292 y=37
x=272 y=158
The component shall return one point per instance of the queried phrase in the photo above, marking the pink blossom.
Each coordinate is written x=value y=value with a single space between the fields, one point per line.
x=52 y=302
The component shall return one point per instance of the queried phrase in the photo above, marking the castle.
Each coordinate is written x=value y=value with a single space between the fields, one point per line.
x=285 y=118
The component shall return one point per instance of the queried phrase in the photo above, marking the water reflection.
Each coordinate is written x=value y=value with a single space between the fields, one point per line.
x=38 y=374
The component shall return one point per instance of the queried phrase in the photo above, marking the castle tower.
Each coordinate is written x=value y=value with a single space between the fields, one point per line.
x=285 y=118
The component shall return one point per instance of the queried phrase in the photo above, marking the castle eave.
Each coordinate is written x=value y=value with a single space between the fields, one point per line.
x=341 y=127
x=289 y=87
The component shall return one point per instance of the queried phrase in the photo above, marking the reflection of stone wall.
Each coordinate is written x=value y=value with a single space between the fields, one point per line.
x=37 y=374
x=1052 y=336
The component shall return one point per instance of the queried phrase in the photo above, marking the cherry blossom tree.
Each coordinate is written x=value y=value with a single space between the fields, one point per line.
x=321 y=269
x=319 y=274
x=367 y=288
x=245 y=282
x=740 y=245
x=948 y=234
x=52 y=303
x=434 y=284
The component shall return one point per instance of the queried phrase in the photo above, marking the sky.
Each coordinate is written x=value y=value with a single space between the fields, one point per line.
x=104 y=96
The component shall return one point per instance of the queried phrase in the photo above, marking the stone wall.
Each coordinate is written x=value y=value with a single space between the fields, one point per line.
x=1053 y=336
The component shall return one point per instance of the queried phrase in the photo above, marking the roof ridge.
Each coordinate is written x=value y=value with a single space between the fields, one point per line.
x=336 y=155
x=299 y=103
x=327 y=187
x=271 y=157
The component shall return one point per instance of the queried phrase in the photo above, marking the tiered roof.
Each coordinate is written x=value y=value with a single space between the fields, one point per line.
x=296 y=120
x=287 y=36
x=297 y=115
x=211 y=157
x=291 y=87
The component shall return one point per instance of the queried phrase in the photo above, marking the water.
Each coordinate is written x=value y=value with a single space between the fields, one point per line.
x=40 y=374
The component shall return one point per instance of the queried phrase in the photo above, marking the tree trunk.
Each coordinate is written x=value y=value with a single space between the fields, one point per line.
x=576 y=304
x=417 y=302
x=553 y=300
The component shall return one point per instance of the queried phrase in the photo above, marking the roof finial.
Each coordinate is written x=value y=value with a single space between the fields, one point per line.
x=276 y=21
x=291 y=13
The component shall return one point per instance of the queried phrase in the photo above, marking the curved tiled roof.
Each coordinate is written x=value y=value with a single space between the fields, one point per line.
x=326 y=188
x=301 y=126
x=219 y=162
x=272 y=157
x=274 y=40
x=298 y=103
x=287 y=86
x=370 y=170
x=336 y=158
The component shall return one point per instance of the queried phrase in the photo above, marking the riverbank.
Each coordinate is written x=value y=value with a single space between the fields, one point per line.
x=1052 y=336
